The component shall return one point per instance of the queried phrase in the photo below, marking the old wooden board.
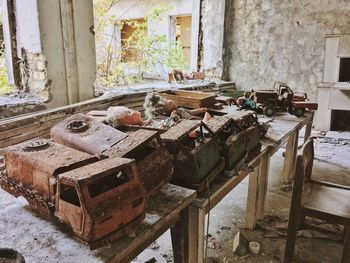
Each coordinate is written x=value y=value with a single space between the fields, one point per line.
x=180 y=130
x=282 y=127
x=189 y=99
x=44 y=241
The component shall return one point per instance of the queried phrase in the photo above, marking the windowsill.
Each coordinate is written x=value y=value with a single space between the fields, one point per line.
x=16 y=104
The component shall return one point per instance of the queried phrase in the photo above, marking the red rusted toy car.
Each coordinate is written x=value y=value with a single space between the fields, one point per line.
x=281 y=98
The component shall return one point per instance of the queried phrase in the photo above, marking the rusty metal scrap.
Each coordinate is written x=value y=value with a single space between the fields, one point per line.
x=193 y=157
x=153 y=160
x=34 y=165
x=109 y=196
x=239 y=134
x=83 y=133
x=97 y=199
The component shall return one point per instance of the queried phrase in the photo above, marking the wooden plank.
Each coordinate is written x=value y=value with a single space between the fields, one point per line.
x=24 y=137
x=253 y=189
x=196 y=237
x=180 y=130
x=94 y=104
x=189 y=99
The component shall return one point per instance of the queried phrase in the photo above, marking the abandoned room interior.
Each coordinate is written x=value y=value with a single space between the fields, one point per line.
x=186 y=131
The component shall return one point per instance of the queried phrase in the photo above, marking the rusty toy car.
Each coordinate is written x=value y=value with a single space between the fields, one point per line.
x=281 y=98
x=96 y=199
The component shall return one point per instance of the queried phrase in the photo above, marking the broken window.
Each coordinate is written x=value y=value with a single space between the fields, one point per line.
x=107 y=183
x=129 y=35
x=69 y=195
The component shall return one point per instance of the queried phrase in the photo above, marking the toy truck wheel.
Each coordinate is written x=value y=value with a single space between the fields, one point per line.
x=269 y=111
x=299 y=112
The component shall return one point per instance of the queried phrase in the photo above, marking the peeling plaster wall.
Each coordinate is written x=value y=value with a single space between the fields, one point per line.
x=279 y=40
x=213 y=14
x=34 y=74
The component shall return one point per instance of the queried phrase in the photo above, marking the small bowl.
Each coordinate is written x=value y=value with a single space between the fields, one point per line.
x=254 y=247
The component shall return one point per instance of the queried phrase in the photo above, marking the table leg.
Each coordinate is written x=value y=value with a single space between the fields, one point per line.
x=308 y=128
x=263 y=183
x=196 y=229
x=290 y=161
x=179 y=238
x=253 y=192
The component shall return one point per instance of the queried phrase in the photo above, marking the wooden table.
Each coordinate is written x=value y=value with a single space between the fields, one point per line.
x=284 y=129
x=164 y=209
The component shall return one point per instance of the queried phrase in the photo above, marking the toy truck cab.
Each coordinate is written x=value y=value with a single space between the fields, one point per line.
x=97 y=200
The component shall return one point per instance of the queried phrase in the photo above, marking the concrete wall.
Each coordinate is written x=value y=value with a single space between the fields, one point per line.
x=213 y=15
x=277 y=40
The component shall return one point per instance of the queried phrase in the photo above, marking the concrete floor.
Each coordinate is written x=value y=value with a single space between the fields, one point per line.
x=227 y=218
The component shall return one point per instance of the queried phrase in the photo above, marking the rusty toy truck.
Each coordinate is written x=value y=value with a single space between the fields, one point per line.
x=98 y=200
x=281 y=98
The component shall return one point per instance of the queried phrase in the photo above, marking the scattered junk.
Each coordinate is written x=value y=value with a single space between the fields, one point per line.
x=94 y=199
x=156 y=106
x=196 y=159
x=121 y=115
x=281 y=98
x=239 y=134
x=176 y=75
x=83 y=133
x=8 y=255
x=254 y=247
x=153 y=160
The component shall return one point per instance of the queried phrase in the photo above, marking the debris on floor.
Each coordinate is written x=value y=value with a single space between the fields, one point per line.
x=276 y=227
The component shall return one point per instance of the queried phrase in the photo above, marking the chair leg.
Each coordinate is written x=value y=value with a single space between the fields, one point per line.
x=293 y=226
x=302 y=219
x=346 y=250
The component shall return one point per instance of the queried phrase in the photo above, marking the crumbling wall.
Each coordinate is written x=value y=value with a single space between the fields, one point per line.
x=278 y=40
x=34 y=74
x=212 y=20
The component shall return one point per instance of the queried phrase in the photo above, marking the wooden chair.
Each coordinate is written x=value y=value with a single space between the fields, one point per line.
x=318 y=199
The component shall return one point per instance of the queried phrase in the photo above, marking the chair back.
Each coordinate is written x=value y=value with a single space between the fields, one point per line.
x=308 y=157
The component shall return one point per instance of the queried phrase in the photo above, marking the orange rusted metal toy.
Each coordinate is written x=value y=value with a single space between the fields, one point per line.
x=97 y=199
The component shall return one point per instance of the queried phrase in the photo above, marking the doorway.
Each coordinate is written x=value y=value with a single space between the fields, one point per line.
x=183 y=34
x=344 y=70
